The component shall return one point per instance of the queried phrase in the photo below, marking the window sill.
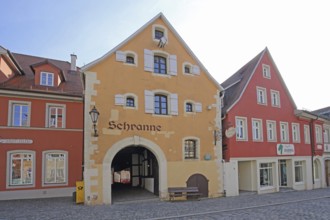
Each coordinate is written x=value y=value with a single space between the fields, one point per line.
x=162 y=75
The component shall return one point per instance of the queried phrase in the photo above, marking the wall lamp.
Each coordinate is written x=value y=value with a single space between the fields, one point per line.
x=94 y=116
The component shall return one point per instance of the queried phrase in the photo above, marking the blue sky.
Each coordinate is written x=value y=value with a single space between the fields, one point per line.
x=224 y=35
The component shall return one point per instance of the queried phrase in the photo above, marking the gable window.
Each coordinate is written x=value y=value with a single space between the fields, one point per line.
x=160 y=65
x=257 y=129
x=130 y=102
x=160 y=104
x=189 y=107
x=159 y=34
x=241 y=128
x=47 y=79
x=275 y=95
x=318 y=133
x=55 y=167
x=21 y=168
x=187 y=69
x=284 y=132
x=130 y=59
x=261 y=96
x=266 y=174
x=190 y=149
x=307 y=134
x=56 y=116
x=295 y=133
x=271 y=131
x=266 y=71
x=19 y=113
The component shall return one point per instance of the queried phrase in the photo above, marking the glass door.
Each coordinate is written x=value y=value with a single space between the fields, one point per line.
x=283 y=173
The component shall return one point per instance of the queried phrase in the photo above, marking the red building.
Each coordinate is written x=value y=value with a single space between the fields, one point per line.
x=41 y=126
x=268 y=144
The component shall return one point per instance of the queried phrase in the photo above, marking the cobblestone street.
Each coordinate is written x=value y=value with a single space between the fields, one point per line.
x=311 y=204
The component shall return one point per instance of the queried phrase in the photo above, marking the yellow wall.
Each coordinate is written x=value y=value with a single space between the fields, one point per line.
x=113 y=77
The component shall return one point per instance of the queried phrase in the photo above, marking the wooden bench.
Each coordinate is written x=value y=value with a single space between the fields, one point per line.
x=187 y=192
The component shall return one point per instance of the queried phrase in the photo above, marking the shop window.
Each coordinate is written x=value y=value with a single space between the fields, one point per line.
x=19 y=113
x=266 y=174
x=21 y=168
x=46 y=79
x=298 y=168
x=55 y=116
x=55 y=167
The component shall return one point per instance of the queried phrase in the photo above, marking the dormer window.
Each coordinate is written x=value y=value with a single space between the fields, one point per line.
x=46 y=79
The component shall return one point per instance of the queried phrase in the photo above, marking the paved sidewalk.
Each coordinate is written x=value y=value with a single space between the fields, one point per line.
x=219 y=208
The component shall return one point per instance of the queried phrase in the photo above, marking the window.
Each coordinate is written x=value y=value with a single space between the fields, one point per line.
x=316 y=170
x=189 y=107
x=275 y=95
x=261 y=96
x=55 y=167
x=266 y=71
x=21 y=168
x=326 y=135
x=130 y=59
x=130 y=102
x=307 y=134
x=160 y=65
x=241 y=128
x=160 y=104
x=190 y=149
x=295 y=133
x=298 y=169
x=318 y=133
x=271 y=131
x=190 y=69
x=257 y=129
x=284 y=132
x=159 y=34
x=266 y=174
x=19 y=113
x=47 y=79
x=187 y=69
x=56 y=116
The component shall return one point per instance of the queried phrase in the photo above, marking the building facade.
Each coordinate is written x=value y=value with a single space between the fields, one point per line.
x=268 y=144
x=41 y=126
x=159 y=118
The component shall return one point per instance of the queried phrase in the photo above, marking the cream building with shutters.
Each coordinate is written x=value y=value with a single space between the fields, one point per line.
x=160 y=118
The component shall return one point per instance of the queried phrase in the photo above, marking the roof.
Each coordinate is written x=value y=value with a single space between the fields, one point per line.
x=161 y=16
x=323 y=112
x=236 y=84
x=72 y=86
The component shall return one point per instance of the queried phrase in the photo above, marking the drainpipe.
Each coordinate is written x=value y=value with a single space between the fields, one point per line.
x=311 y=128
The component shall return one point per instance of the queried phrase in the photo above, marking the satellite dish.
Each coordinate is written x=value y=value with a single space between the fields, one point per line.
x=162 y=42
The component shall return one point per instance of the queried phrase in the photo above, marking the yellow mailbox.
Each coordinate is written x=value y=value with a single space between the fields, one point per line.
x=80 y=196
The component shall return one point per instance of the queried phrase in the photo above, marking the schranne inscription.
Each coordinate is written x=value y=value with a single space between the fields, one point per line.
x=133 y=127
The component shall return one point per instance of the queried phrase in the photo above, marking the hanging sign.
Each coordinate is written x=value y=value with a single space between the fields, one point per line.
x=16 y=141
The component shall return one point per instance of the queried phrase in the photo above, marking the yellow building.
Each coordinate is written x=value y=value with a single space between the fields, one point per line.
x=159 y=121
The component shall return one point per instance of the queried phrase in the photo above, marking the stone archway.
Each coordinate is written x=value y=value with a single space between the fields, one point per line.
x=133 y=141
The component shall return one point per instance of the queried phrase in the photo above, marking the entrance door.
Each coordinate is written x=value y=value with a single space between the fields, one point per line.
x=283 y=173
x=327 y=172
x=201 y=182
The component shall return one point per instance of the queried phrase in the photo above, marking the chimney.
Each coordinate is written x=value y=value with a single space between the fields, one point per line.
x=73 y=62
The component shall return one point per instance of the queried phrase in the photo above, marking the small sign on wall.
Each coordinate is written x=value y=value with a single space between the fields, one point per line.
x=285 y=149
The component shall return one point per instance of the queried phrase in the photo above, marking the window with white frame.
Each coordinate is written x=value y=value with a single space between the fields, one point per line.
x=271 y=131
x=318 y=134
x=128 y=100
x=47 y=79
x=127 y=57
x=19 y=113
x=275 y=95
x=55 y=167
x=266 y=174
x=257 y=129
x=326 y=135
x=192 y=107
x=298 y=169
x=21 y=168
x=160 y=62
x=241 y=128
x=284 y=131
x=159 y=31
x=190 y=69
x=307 y=136
x=295 y=132
x=266 y=71
x=261 y=96
x=55 y=116
x=161 y=103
